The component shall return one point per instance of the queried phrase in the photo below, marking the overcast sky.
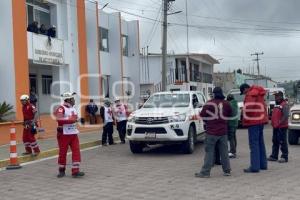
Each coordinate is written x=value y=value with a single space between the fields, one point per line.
x=229 y=30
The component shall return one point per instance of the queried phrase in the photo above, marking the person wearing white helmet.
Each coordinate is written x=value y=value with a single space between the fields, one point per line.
x=108 y=119
x=120 y=113
x=30 y=124
x=67 y=135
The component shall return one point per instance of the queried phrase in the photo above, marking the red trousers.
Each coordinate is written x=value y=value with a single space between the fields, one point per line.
x=64 y=141
x=29 y=141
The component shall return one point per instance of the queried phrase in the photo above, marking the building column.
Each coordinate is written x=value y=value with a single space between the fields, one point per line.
x=20 y=53
x=83 y=60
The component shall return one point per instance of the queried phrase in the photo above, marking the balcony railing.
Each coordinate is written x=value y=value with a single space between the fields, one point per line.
x=44 y=50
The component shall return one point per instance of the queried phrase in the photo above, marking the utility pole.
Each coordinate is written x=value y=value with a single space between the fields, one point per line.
x=187 y=28
x=164 y=46
x=257 y=60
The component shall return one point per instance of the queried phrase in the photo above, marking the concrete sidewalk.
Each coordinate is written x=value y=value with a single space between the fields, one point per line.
x=49 y=147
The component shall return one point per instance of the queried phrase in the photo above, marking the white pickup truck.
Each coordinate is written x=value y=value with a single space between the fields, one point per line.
x=240 y=100
x=167 y=118
x=294 y=125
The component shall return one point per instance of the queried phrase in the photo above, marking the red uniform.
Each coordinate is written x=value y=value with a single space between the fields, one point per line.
x=67 y=136
x=29 y=140
x=277 y=115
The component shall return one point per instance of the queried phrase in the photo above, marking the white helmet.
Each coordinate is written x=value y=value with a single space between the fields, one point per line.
x=68 y=95
x=24 y=97
x=116 y=99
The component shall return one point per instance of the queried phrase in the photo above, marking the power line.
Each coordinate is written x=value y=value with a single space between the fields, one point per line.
x=261 y=31
x=154 y=27
x=136 y=3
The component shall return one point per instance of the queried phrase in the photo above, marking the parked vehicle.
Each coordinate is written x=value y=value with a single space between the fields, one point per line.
x=167 y=118
x=294 y=120
x=240 y=99
x=270 y=98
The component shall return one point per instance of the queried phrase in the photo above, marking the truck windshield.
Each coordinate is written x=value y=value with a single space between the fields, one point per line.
x=168 y=101
x=298 y=98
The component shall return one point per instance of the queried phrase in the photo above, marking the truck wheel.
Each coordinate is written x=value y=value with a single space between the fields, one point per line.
x=136 y=147
x=293 y=137
x=189 y=145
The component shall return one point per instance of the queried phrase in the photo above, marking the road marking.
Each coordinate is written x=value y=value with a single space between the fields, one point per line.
x=52 y=157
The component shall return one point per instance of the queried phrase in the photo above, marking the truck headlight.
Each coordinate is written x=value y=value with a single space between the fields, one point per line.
x=131 y=119
x=177 y=118
x=296 y=116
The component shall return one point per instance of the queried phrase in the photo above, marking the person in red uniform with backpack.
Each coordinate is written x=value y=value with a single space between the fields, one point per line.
x=280 y=116
x=30 y=124
x=67 y=135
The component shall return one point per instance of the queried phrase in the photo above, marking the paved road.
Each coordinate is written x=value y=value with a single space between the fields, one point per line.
x=114 y=173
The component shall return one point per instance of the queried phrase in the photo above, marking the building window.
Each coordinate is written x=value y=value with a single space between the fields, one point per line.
x=207 y=78
x=46 y=84
x=33 y=81
x=103 y=43
x=105 y=87
x=125 y=45
x=38 y=11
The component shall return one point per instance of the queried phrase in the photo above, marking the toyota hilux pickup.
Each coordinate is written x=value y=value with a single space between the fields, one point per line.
x=167 y=118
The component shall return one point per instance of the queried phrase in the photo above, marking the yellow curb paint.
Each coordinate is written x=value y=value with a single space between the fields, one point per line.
x=48 y=153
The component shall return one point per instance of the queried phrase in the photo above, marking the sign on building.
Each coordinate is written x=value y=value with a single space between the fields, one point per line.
x=47 y=51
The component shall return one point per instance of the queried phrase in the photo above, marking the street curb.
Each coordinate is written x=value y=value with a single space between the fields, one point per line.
x=48 y=153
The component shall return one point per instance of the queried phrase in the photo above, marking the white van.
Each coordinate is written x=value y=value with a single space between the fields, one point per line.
x=167 y=118
x=240 y=100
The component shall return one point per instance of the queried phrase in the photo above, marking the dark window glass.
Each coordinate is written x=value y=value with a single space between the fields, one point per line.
x=103 y=43
x=46 y=84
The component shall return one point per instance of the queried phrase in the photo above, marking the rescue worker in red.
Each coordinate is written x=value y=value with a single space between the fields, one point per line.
x=30 y=124
x=254 y=117
x=120 y=111
x=67 y=135
x=280 y=115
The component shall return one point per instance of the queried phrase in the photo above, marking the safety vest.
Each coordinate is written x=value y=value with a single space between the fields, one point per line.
x=120 y=112
x=277 y=115
x=108 y=117
x=70 y=129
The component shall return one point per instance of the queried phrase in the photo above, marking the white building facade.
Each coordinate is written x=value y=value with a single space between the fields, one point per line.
x=119 y=56
x=184 y=72
x=73 y=60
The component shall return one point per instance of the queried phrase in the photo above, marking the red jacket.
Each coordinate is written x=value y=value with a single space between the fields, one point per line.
x=278 y=116
x=255 y=109
x=29 y=111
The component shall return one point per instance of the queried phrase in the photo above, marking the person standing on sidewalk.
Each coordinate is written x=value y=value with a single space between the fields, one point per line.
x=280 y=116
x=254 y=117
x=215 y=113
x=30 y=124
x=232 y=126
x=120 y=113
x=92 y=109
x=108 y=119
x=67 y=135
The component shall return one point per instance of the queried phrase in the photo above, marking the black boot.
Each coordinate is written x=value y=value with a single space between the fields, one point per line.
x=78 y=174
x=61 y=174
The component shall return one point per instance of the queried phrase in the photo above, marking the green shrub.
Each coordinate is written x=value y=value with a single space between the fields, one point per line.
x=5 y=111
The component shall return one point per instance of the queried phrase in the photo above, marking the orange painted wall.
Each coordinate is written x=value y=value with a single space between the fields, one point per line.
x=98 y=52
x=20 y=52
x=83 y=60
